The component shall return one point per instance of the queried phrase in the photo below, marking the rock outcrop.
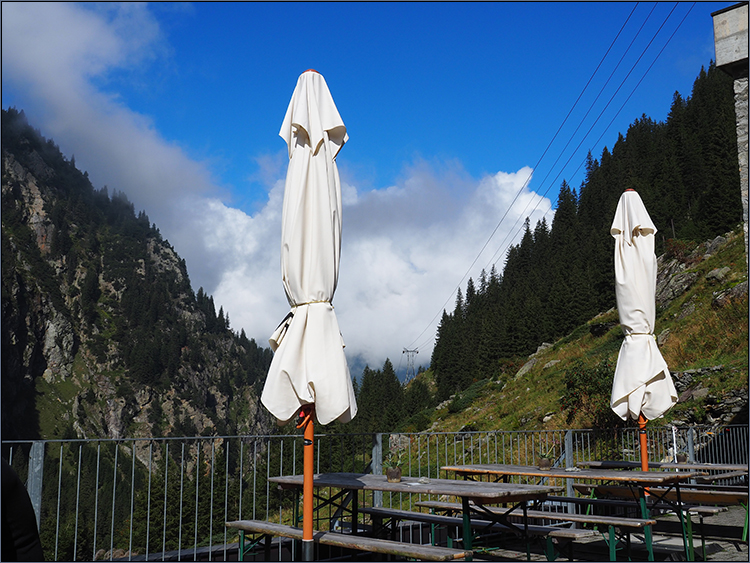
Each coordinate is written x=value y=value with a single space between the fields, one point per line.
x=102 y=335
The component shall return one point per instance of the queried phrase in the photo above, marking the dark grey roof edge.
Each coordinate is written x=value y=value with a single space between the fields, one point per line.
x=728 y=8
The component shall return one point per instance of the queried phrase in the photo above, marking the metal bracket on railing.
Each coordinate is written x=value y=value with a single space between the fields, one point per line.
x=36 y=474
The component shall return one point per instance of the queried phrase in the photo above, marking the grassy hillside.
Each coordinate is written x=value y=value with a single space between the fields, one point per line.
x=702 y=333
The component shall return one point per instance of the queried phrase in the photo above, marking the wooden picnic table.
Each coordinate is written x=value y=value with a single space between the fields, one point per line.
x=641 y=481
x=703 y=492
x=505 y=471
x=471 y=493
x=690 y=466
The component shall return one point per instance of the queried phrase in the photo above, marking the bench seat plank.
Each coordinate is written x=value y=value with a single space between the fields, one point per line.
x=622 y=503
x=552 y=531
x=621 y=522
x=349 y=541
x=688 y=495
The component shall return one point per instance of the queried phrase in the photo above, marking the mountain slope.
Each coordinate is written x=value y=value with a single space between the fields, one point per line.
x=102 y=334
x=702 y=330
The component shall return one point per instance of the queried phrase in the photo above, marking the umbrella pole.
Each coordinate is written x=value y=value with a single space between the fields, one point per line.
x=642 y=436
x=306 y=422
x=644 y=467
x=644 y=441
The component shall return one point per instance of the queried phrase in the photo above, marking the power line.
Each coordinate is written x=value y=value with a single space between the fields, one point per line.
x=601 y=113
x=525 y=184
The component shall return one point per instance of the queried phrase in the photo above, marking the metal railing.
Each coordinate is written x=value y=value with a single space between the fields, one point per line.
x=166 y=498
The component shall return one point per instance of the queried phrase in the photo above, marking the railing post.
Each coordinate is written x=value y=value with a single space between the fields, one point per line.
x=377 y=465
x=36 y=474
x=569 y=461
x=691 y=444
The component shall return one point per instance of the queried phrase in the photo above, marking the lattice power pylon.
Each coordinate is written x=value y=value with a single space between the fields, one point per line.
x=410 y=373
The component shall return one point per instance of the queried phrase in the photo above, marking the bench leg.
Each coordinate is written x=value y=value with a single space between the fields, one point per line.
x=687 y=526
x=647 y=529
x=549 y=550
x=612 y=543
x=244 y=546
x=467 y=525
x=703 y=536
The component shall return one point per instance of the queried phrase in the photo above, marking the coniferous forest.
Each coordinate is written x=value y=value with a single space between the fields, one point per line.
x=560 y=275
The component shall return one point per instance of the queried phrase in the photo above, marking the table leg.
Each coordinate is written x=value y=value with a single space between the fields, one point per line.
x=612 y=543
x=467 y=525
x=646 y=529
x=355 y=512
x=687 y=527
x=526 y=530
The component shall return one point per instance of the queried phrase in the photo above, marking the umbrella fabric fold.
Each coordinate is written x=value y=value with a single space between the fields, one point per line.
x=642 y=383
x=309 y=365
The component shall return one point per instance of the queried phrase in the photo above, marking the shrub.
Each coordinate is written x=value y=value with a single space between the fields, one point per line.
x=588 y=391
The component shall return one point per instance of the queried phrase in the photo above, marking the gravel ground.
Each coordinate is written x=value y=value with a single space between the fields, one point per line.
x=729 y=550
x=667 y=548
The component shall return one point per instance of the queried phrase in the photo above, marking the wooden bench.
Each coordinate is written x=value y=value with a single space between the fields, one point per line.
x=347 y=541
x=627 y=525
x=622 y=522
x=689 y=495
x=720 y=477
x=633 y=505
x=408 y=515
x=550 y=533
x=703 y=501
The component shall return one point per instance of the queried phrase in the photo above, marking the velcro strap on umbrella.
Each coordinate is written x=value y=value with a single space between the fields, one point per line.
x=312 y=302
x=280 y=332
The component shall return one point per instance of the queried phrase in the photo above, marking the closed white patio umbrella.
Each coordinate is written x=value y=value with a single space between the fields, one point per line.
x=309 y=374
x=642 y=388
x=642 y=383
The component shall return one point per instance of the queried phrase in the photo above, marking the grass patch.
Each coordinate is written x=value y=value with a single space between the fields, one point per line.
x=713 y=336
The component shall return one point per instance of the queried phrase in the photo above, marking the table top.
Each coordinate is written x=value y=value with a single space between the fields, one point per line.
x=480 y=493
x=638 y=477
x=658 y=465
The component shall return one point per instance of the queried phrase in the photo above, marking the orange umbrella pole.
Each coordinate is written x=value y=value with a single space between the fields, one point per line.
x=306 y=421
x=644 y=443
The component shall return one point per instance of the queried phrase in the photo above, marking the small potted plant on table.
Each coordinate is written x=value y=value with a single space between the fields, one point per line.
x=392 y=466
x=545 y=460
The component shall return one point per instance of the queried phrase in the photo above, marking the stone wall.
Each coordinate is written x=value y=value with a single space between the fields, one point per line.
x=741 y=112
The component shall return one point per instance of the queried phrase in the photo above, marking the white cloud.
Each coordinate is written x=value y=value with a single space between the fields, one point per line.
x=405 y=248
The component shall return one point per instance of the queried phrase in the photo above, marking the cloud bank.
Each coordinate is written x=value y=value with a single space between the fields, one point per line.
x=405 y=247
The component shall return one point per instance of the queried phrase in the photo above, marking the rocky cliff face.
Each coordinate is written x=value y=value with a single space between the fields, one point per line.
x=102 y=335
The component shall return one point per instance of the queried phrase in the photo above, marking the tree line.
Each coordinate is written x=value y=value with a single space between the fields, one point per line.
x=560 y=275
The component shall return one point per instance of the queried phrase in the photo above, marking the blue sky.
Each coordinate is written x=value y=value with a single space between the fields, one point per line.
x=450 y=108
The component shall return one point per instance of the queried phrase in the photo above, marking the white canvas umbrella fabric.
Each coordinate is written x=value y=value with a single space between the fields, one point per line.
x=309 y=365
x=642 y=383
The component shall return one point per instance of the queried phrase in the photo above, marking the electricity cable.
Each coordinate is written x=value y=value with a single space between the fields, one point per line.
x=641 y=80
x=527 y=179
x=588 y=132
x=622 y=83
